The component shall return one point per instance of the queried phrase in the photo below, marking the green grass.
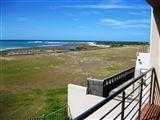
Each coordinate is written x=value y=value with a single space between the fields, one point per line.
x=33 y=103
x=33 y=85
x=25 y=68
x=108 y=71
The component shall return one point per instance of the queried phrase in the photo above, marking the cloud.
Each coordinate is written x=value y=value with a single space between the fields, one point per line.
x=109 y=6
x=76 y=19
x=93 y=12
x=23 y=19
x=51 y=7
x=142 y=23
x=139 y=13
x=98 y=6
x=114 y=1
x=83 y=27
x=105 y=4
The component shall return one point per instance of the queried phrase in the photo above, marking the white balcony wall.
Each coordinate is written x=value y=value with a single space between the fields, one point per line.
x=155 y=41
x=79 y=102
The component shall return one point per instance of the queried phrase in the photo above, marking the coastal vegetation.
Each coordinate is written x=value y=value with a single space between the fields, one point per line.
x=35 y=84
x=121 y=43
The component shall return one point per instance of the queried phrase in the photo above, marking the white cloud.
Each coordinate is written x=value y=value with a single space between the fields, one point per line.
x=51 y=7
x=71 y=14
x=23 y=19
x=98 y=6
x=93 y=12
x=139 y=13
x=83 y=27
x=76 y=19
x=109 y=6
x=142 y=23
x=112 y=22
x=115 y=1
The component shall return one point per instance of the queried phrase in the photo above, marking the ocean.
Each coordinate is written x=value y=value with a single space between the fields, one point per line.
x=17 y=44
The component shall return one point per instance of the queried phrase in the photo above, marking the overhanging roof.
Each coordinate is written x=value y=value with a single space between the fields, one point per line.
x=154 y=3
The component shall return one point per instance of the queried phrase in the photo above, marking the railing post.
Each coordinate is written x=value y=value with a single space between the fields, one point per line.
x=154 y=88
x=140 y=99
x=151 y=88
x=123 y=105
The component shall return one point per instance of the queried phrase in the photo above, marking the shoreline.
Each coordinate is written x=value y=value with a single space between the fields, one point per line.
x=49 y=49
x=62 y=48
x=46 y=44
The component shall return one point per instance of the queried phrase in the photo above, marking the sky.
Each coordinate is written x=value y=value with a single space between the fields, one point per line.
x=118 y=20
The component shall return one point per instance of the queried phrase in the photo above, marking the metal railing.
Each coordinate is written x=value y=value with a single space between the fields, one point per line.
x=37 y=118
x=60 y=114
x=118 y=79
x=105 y=86
x=146 y=92
x=129 y=73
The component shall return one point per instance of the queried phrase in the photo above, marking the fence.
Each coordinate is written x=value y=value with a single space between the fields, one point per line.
x=37 y=118
x=60 y=114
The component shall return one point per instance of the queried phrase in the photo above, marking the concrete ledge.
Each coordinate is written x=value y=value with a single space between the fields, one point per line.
x=79 y=101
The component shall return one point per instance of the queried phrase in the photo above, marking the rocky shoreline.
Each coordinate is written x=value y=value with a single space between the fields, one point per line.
x=48 y=50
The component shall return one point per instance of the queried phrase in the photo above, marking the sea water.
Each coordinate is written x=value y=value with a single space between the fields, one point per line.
x=16 y=44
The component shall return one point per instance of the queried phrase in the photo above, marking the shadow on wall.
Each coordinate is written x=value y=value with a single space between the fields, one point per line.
x=157 y=18
x=156 y=10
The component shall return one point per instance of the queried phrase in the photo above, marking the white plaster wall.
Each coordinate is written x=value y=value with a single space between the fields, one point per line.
x=155 y=42
x=142 y=64
x=143 y=61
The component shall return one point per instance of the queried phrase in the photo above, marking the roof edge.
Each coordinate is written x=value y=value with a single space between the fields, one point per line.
x=154 y=3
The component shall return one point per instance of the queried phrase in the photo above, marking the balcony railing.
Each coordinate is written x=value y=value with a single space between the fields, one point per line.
x=147 y=92
x=104 y=87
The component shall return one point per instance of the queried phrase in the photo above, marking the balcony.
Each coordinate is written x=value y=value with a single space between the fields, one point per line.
x=126 y=97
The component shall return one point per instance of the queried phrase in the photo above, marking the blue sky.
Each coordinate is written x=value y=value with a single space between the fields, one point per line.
x=125 y=20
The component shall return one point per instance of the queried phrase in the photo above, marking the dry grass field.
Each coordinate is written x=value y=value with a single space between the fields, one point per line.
x=36 y=84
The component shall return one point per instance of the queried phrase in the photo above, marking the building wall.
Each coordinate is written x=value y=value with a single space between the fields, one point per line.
x=143 y=61
x=155 y=41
